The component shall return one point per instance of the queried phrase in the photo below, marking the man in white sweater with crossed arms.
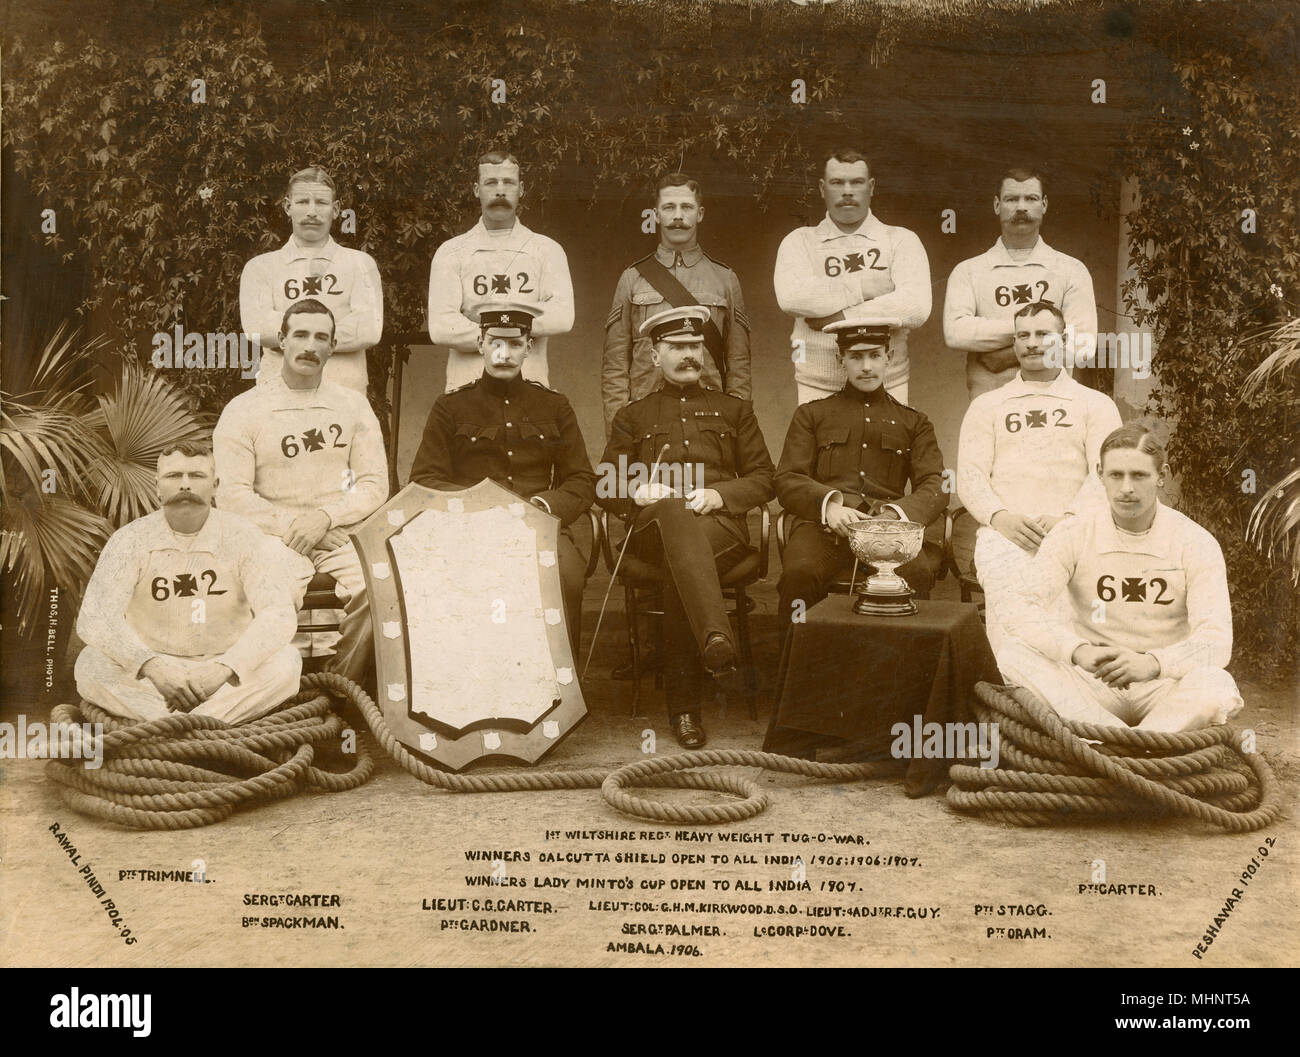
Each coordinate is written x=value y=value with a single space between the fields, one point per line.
x=985 y=292
x=312 y=264
x=1024 y=460
x=497 y=261
x=304 y=460
x=853 y=267
x=1149 y=625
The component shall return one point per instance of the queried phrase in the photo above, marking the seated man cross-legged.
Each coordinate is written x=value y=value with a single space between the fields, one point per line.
x=188 y=610
x=849 y=457
x=1151 y=628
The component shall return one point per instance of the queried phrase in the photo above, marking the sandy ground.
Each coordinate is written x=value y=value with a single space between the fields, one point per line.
x=892 y=881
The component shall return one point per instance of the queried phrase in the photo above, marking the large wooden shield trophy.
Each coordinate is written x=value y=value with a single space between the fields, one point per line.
x=471 y=647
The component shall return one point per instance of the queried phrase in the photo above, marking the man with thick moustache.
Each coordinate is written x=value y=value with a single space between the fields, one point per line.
x=688 y=432
x=498 y=260
x=847 y=458
x=985 y=292
x=312 y=264
x=522 y=435
x=679 y=272
x=188 y=610
x=304 y=460
x=849 y=267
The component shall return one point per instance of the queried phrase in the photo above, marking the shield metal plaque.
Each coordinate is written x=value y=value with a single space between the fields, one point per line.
x=472 y=651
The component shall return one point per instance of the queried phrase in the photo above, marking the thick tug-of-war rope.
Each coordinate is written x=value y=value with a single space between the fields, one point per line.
x=672 y=772
x=1049 y=773
x=185 y=770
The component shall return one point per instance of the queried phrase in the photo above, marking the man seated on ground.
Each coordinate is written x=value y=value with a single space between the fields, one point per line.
x=694 y=529
x=304 y=460
x=1151 y=629
x=849 y=457
x=187 y=609
x=1025 y=457
x=521 y=434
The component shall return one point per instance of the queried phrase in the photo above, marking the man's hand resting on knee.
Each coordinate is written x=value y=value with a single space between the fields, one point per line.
x=1025 y=532
x=207 y=679
x=1116 y=666
x=172 y=681
x=647 y=494
x=840 y=519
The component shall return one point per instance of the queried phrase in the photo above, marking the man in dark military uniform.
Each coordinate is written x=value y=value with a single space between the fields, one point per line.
x=678 y=273
x=522 y=435
x=849 y=457
x=711 y=467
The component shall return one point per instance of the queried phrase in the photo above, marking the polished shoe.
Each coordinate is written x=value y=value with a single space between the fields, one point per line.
x=719 y=655
x=687 y=730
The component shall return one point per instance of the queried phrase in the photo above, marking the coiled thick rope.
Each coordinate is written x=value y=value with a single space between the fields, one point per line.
x=674 y=772
x=151 y=777
x=1048 y=773
x=186 y=770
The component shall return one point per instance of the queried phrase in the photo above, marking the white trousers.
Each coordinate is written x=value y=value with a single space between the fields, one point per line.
x=1201 y=698
x=808 y=393
x=353 y=654
x=104 y=682
x=1001 y=568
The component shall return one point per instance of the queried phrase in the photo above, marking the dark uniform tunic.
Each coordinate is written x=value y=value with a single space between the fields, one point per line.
x=628 y=371
x=866 y=446
x=717 y=437
x=525 y=437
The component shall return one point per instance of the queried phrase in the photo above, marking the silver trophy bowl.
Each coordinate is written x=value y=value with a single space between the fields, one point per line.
x=886 y=544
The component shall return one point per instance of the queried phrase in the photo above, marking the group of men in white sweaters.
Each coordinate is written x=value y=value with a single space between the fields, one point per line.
x=1110 y=605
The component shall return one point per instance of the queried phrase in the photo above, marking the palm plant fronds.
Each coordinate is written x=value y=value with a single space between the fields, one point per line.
x=1284 y=339
x=48 y=541
x=1272 y=526
x=144 y=416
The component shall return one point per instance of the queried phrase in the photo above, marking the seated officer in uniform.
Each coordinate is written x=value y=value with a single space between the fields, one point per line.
x=1150 y=626
x=849 y=457
x=303 y=459
x=709 y=445
x=521 y=434
x=188 y=610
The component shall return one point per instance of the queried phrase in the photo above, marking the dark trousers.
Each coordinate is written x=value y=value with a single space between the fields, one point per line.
x=814 y=559
x=691 y=550
x=573 y=578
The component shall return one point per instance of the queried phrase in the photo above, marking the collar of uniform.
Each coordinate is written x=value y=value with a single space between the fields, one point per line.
x=675 y=390
x=999 y=255
x=870 y=228
x=1062 y=386
x=668 y=256
x=517 y=237
x=502 y=388
x=875 y=397
x=1154 y=541
x=206 y=539
x=293 y=252
x=284 y=397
